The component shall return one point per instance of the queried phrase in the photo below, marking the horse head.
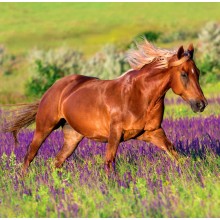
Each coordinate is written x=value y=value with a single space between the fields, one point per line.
x=185 y=79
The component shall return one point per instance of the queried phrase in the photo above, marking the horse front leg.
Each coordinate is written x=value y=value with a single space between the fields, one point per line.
x=159 y=138
x=112 y=146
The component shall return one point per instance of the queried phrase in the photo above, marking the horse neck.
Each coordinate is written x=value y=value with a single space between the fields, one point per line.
x=154 y=83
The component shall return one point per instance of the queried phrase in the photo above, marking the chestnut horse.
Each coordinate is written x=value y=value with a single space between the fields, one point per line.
x=128 y=107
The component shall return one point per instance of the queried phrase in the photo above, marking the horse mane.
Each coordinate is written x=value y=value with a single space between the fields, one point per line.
x=147 y=53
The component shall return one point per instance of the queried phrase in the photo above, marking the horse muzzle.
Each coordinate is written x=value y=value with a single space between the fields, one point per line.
x=198 y=105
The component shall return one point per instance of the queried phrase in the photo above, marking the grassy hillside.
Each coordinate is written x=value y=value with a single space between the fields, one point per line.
x=87 y=26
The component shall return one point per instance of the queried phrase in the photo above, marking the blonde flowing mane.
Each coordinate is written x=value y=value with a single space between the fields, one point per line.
x=147 y=53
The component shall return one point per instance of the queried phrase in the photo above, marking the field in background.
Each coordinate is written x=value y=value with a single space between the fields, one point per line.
x=88 y=26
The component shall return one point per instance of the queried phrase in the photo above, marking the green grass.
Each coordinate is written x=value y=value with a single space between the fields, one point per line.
x=211 y=90
x=182 y=196
x=184 y=110
x=87 y=26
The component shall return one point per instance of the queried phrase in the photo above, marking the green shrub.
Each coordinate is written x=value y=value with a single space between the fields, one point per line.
x=211 y=78
x=149 y=35
x=209 y=41
x=177 y=36
x=106 y=64
x=209 y=69
x=209 y=48
x=54 y=64
x=47 y=75
x=7 y=62
x=50 y=66
x=206 y=64
x=63 y=58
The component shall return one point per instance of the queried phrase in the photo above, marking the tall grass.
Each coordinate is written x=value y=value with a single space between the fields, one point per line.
x=147 y=182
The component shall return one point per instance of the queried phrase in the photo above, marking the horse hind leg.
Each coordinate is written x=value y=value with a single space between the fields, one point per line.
x=71 y=141
x=38 y=139
x=43 y=129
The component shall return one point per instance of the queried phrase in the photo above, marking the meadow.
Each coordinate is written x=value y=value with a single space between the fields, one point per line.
x=147 y=183
x=87 y=27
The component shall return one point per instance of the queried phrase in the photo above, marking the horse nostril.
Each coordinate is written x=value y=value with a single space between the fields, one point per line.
x=198 y=105
x=201 y=105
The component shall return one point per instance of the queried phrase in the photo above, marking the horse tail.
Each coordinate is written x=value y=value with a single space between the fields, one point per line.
x=20 y=117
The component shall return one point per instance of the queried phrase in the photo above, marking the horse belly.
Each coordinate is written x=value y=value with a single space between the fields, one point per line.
x=87 y=116
x=129 y=134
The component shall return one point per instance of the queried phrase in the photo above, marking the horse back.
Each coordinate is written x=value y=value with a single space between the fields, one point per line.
x=50 y=104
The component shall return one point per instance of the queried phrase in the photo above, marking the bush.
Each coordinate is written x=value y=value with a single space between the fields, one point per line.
x=50 y=66
x=209 y=39
x=209 y=48
x=65 y=59
x=177 y=36
x=106 y=64
x=211 y=78
x=47 y=75
x=149 y=35
x=7 y=62
x=209 y=69
x=54 y=64
x=206 y=65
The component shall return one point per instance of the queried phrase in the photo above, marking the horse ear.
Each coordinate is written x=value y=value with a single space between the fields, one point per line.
x=180 y=52
x=191 y=50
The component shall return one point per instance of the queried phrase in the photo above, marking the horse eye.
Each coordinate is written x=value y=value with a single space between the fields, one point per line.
x=184 y=75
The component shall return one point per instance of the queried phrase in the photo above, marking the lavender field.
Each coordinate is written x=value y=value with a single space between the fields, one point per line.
x=43 y=42
x=146 y=184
